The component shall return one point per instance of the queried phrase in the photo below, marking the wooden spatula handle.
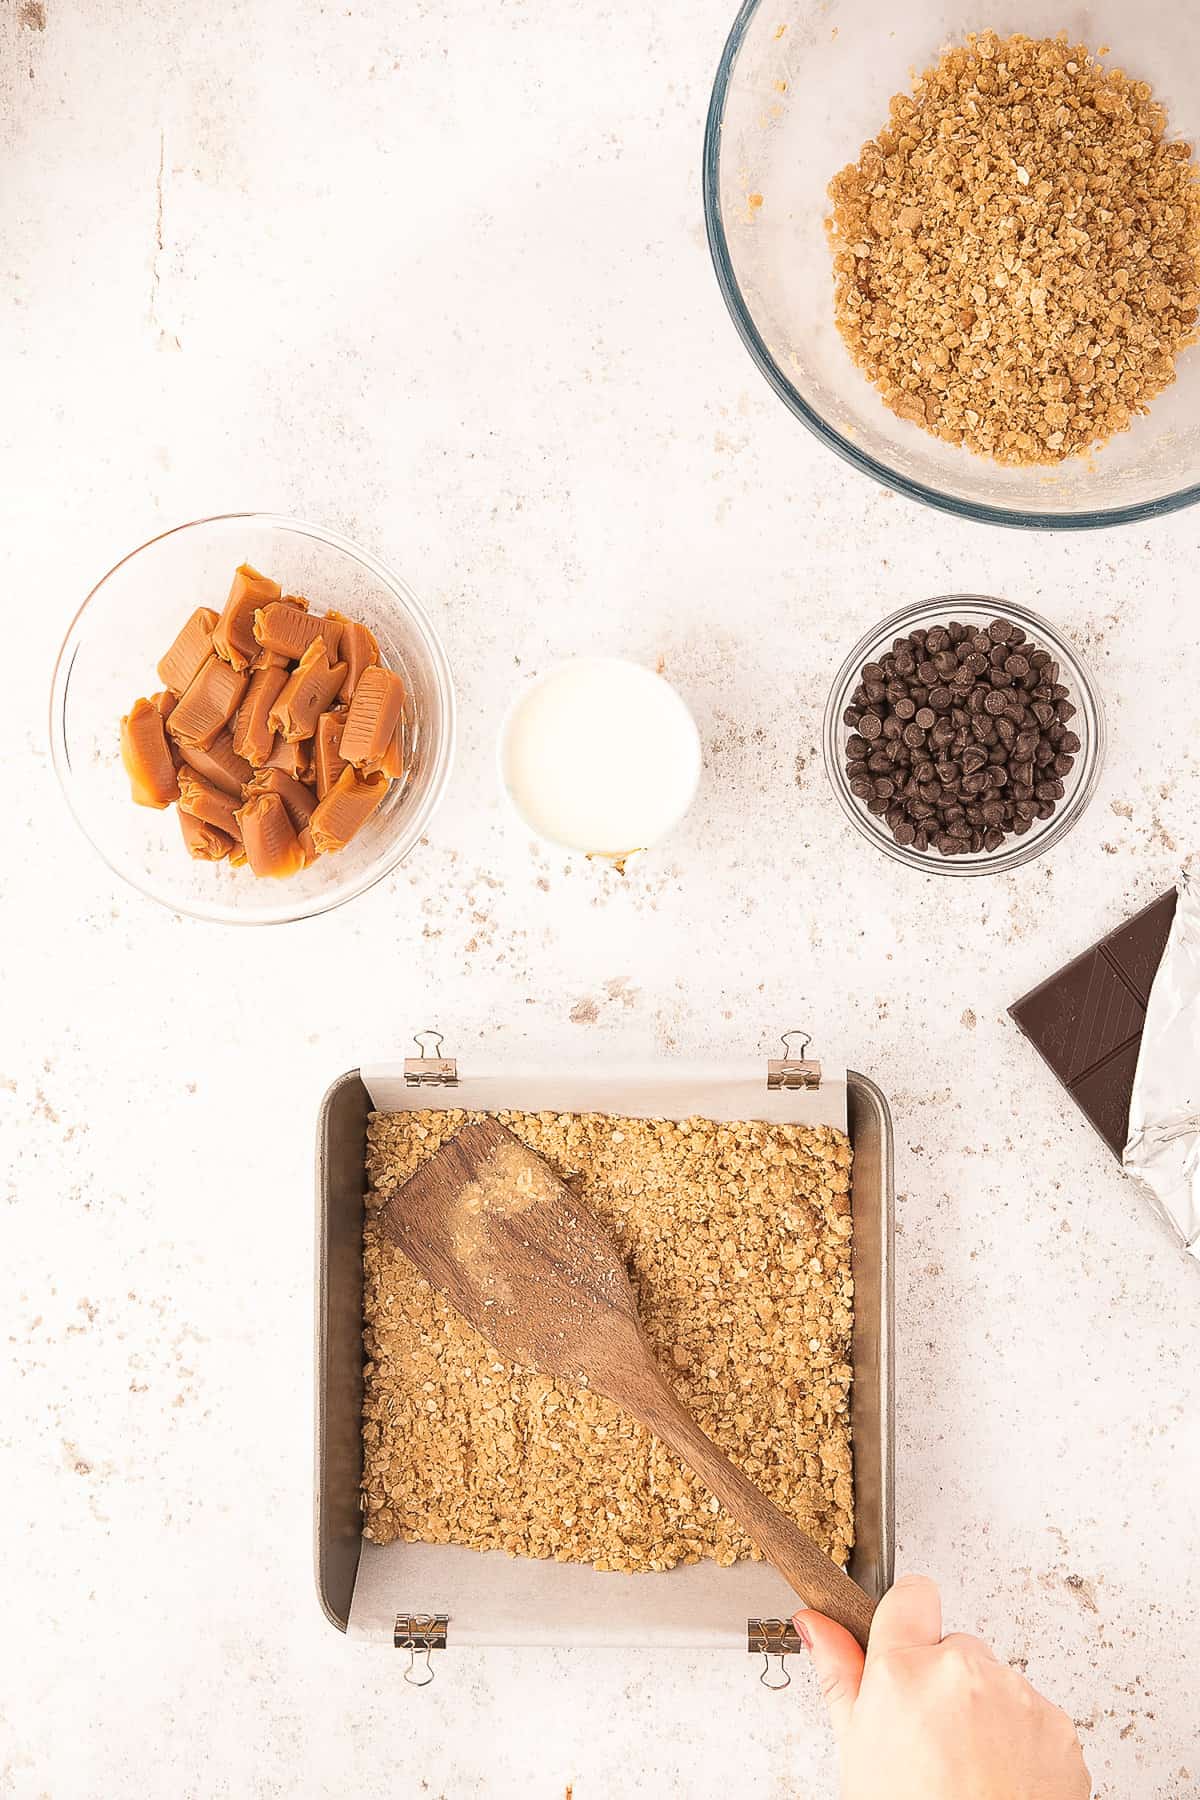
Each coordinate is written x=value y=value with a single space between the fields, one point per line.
x=816 y=1577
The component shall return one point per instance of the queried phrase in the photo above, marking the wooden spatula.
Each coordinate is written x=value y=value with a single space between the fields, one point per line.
x=535 y=1273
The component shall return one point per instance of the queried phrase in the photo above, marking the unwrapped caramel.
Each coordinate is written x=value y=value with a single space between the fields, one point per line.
x=204 y=801
x=189 y=653
x=357 y=649
x=209 y=701
x=147 y=757
x=288 y=628
x=373 y=719
x=345 y=809
x=219 y=763
x=233 y=635
x=249 y=734
x=253 y=732
x=327 y=751
x=205 y=842
x=272 y=847
x=309 y=689
x=298 y=799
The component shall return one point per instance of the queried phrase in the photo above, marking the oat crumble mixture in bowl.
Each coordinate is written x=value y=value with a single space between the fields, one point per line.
x=964 y=249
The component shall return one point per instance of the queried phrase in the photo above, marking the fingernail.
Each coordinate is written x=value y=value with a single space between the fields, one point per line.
x=803 y=1633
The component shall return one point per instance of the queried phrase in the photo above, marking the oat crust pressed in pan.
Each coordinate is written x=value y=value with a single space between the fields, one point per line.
x=737 y=1239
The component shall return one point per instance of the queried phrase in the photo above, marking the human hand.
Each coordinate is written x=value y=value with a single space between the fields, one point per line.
x=924 y=1717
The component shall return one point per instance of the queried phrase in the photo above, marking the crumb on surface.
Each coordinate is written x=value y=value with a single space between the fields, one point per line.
x=1017 y=254
x=737 y=1241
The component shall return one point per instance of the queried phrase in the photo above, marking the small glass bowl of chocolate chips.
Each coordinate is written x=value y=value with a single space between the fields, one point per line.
x=963 y=736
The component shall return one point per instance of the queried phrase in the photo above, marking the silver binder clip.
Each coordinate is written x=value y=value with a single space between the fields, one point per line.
x=794 y=1069
x=420 y=1634
x=771 y=1638
x=430 y=1068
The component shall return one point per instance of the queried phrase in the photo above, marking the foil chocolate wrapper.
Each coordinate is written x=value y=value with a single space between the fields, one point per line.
x=1163 y=1147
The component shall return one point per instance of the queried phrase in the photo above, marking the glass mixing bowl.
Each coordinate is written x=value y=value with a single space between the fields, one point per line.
x=1088 y=725
x=802 y=85
x=108 y=659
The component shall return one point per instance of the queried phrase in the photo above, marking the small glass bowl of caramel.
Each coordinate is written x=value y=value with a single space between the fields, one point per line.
x=107 y=670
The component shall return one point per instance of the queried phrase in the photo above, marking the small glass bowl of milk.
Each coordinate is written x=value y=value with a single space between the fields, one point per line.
x=600 y=755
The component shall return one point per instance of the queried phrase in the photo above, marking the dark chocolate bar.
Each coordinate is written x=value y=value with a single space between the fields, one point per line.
x=1086 y=1021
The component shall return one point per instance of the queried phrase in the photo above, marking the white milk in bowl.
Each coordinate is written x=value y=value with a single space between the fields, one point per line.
x=600 y=755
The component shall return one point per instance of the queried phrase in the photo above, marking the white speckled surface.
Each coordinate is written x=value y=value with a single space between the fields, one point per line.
x=436 y=275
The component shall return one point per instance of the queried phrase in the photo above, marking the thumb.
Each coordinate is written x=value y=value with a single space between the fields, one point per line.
x=839 y=1665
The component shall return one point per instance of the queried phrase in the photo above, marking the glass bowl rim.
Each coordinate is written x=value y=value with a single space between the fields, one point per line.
x=718 y=245
x=396 y=852
x=1023 y=849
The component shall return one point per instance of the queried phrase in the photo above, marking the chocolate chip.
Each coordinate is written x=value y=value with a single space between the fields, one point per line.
x=993 y=703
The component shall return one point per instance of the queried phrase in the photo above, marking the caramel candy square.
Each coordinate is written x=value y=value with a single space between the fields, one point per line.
x=204 y=841
x=327 y=755
x=233 y=635
x=269 y=837
x=253 y=733
x=220 y=764
x=210 y=702
x=345 y=810
x=373 y=716
x=189 y=653
x=286 y=629
x=298 y=799
x=146 y=756
x=204 y=801
x=293 y=759
x=357 y=649
x=391 y=763
x=309 y=689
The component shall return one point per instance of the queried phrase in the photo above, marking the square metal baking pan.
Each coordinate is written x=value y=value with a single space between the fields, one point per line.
x=427 y=1595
